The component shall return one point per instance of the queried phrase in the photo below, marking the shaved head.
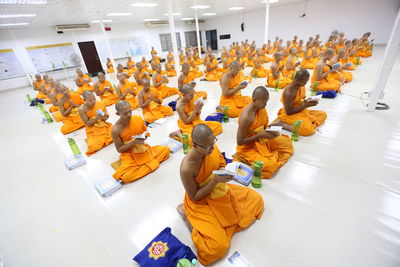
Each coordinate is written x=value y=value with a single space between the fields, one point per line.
x=121 y=104
x=260 y=91
x=186 y=88
x=329 y=52
x=100 y=74
x=302 y=74
x=201 y=133
x=87 y=94
x=234 y=64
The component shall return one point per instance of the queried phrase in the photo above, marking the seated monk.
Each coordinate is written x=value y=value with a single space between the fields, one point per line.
x=120 y=69
x=137 y=158
x=170 y=57
x=110 y=67
x=145 y=65
x=126 y=91
x=68 y=105
x=196 y=57
x=153 y=53
x=258 y=68
x=154 y=62
x=37 y=86
x=311 y=57
x=321 y=72
x=150 y=103
x=194 y=69
x=256 y=144
x=231 y=87
x=160 y=82
x=213 y=72
x=214 y=209
x=263 y=53
x=344 y=59
x=275 y=77
x=83 y=82
x=170 y=68
x=139 y=75
x=187 y=77
x=365 y=46
x=351 y=50
x=54 y=95
x=295 y=106
x=105 y=91
x=130 y=65
x=46 y=86
x=98 y=130
x=182 y=57
x=189 y=112
x=340 y=74
x=290 y=65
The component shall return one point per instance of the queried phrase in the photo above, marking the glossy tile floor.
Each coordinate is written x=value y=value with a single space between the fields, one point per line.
x=335 y=203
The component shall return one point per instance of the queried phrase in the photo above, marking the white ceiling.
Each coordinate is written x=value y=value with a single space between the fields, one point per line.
x=56 y=12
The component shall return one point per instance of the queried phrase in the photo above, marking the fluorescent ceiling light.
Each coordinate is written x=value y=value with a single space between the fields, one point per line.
x=2 y=16
x=144 y=4
x=14 y=24
x=200 y=7
x=271 y=1
x=173 y=14
x=23 y=2
x=151 y=19
x=236 y=8
x=187 y=18
x=104 y=20
x=209 y=14
x=118 y=14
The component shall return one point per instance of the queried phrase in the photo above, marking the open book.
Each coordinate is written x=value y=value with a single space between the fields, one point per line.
x=274 y=129
x=144 y=135
x=314 y=98
x=241 y=172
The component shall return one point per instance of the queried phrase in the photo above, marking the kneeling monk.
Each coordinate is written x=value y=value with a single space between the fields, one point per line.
x=255 y=143
x=295 y=106
x=215 y=209
x=68 y=105
x=94 y=114
x=137 y=158
x=104 y=90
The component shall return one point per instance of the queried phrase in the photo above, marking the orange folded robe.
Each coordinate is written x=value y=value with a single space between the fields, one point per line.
x=164 y=90
x=215 y=126
x=142 y=159
x=227 y=210
x=280 y=82
x=190 y=78
x=326 y=83
x=98 y=135
x=85 y=86
x=73 y=121
x=155 y=111
x=132 y=99
x=237 y=101
x=108 y=98
x=273 y=152
x=310 y=119
x=40 y=94
x=348 y=76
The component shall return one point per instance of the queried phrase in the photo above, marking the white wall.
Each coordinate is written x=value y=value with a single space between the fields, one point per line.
x=45 y=36
x=353 y=17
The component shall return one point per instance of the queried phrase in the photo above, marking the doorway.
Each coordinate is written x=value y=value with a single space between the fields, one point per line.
x=211 y=39
x=90 y=57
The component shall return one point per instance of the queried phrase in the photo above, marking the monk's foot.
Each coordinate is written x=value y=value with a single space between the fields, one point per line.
x=220 y=108
x=203 y=79
x=181 y=211
x=177 y=133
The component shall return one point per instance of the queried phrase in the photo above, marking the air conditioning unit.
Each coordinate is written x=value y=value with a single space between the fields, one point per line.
x=72 y=27
x=156 y=23
x=191 y=22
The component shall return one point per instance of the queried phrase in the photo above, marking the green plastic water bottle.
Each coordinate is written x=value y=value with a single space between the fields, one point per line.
x=357 y=61
x=48 y=117
x=226 y=117
x=41 y=108
x=293 y=75
x=256 y=181
x=74 y=147
x=185 y=143
x=277 y=85
x=296 y=130
x=29 y=98
x=314 y=88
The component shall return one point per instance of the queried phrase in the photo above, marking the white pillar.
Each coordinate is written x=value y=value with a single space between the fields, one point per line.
x=387 y=64
x=197 y=32
x=108 y=46
x=266 y=21
x=173 y=35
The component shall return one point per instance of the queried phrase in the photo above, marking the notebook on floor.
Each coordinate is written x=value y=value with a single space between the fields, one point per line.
x=172 y=144
x=75 y=161
x=107 y=186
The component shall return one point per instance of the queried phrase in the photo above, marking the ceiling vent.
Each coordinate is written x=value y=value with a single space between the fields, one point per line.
x=192 y=22
x=156 y=23
x=72 y=27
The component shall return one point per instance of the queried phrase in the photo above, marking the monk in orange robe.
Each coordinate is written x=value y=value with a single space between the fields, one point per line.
x=105 y=90
x=290 y=65
x=153 y=53
x=137 y=158
x=69 y=108
x=231 y=84
x=45 y=87
x=194 y=69
x=170 y=68
x=130 y=65
x=145 y=65
x=54 y=95
x=189 y=109
x=160 y=82
x=170 y=57
x=321 y=72
x=83 y=82
x=344 y=59
x=110 y=67
x=139 y=75
x=365 y=46
x=154 y=62
x=150 y=102
x=340 y=74
x=120 y=69
x=258 y=69
x=255 y=143
x=214 y=209
x=295 y=106
x=275 y=77
x=196 y=57
x=213 y=72
x=98 y=131
x=187 y=77
x=126 y=91
x=37 y=86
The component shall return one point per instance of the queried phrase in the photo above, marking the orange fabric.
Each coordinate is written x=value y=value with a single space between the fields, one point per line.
x=98 y=135
x=190 y=78
x=216 y=219
x=310 y=119
x=107 y=98
x=326 y=83
x=164 y=90
x=155 y=111
x=260 y=72
x=171 y=72
x=214 y=75
x=281 y=80
x=344 y=61
x=273 y=152
x=132 y=99
x=86 y=86
x=288 y=73
x=110 y=68
x=73 y=121
x=348 y=76
x=215 y=126
x=237 y=101
x=40 y=94
x=136 y=165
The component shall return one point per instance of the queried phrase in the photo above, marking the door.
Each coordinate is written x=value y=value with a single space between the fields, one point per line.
x=90 y=57
x=211 y=39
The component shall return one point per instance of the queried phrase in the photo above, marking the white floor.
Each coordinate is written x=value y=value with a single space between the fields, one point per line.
x=335 y=203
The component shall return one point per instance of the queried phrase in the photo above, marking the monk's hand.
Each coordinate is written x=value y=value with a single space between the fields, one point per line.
x=105 y=117
x=198 y=107
x=269 y=134
x=310 y=103
x=138 y=141
x=223 y=178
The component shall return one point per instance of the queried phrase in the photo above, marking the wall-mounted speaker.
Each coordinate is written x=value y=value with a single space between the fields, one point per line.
x=242 y=27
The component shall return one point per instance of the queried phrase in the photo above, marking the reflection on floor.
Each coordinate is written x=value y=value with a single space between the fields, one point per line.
x=335 y=203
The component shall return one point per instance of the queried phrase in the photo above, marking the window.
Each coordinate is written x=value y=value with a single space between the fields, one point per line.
x=166 y=41
x=191 y=39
